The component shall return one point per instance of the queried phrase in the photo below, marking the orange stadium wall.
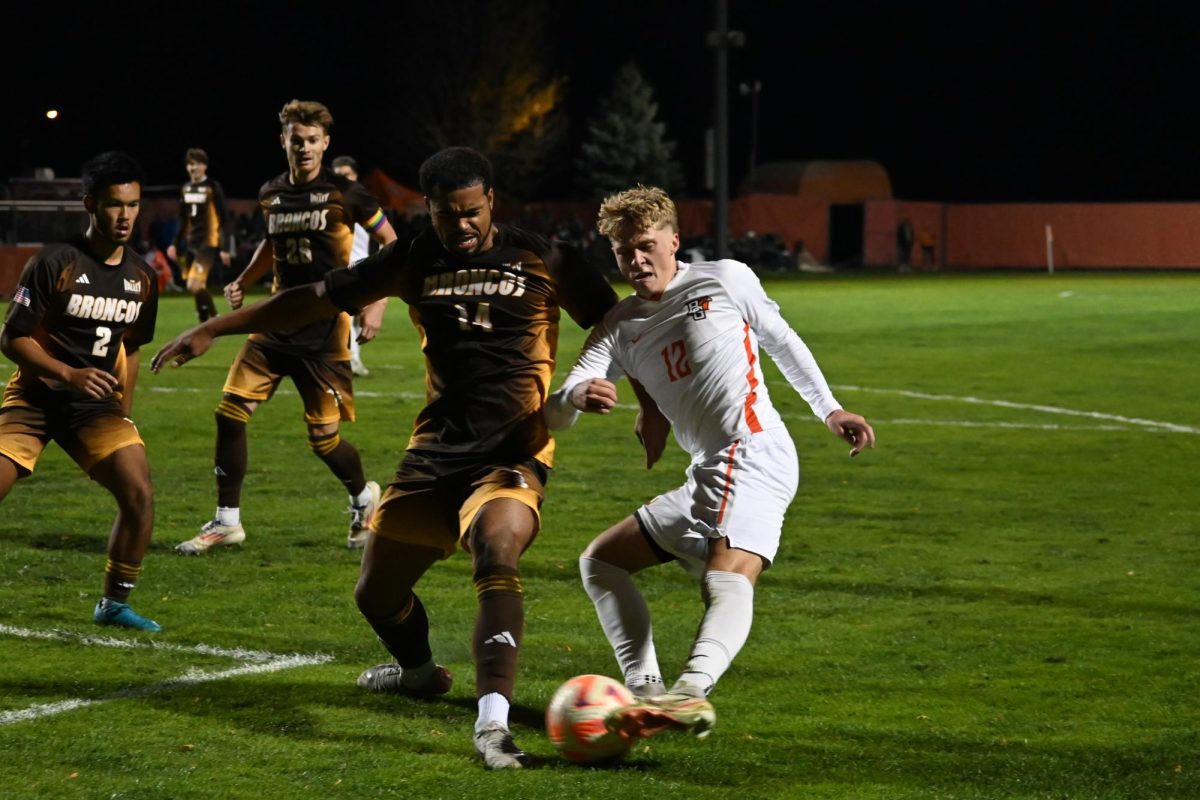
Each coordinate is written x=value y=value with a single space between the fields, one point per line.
x=1093 y=236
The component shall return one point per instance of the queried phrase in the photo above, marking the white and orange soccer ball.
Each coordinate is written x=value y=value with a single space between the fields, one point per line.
x=575 y=718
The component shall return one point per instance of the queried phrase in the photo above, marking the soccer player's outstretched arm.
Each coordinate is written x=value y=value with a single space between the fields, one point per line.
x=287 y=309
x=796 y=362
x=589 y=386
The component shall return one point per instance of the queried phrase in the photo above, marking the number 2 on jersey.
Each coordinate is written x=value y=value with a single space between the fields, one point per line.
x=674 y=356
x=103 y=337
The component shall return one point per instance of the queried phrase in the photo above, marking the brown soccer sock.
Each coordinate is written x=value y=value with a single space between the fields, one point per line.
x=406 y=635
x=205 y=308
x=342 y=459
x=498 y=629
x=231 y=453
x=119 y=579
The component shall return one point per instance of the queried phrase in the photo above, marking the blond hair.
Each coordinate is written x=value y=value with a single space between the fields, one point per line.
x=306 y=112
x=642 y=208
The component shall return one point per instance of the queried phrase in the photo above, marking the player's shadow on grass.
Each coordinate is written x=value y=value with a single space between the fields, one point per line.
x=436 y=726
x=62 y=541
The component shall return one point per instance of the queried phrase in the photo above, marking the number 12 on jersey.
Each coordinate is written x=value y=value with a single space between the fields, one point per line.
x=674 y=356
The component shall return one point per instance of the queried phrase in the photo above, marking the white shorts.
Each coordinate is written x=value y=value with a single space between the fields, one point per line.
x=741 y=494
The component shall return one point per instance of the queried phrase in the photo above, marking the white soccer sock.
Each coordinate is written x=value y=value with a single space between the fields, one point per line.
x=493 y=707
x=625 y=619
x=729 y=598
x=229 y=516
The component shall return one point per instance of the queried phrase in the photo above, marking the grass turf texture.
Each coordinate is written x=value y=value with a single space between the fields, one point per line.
x=998 y=602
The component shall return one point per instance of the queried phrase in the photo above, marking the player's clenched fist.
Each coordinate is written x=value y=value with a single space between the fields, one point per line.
x=596 y=395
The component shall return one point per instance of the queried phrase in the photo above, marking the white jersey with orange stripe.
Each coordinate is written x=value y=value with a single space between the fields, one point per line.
x=695 y=350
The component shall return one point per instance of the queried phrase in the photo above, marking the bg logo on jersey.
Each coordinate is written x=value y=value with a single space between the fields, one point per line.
x=697 y=309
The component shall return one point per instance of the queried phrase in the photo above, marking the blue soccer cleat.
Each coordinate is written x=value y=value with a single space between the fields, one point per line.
x=110 y=612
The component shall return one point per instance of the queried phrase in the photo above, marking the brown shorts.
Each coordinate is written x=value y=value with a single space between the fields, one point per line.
x=199 y=263
x=438 y=511
x=88 y=431
x=324 y=386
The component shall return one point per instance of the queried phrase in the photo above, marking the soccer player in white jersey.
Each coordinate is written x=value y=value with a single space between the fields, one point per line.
x=359 y=249
x=690 y=335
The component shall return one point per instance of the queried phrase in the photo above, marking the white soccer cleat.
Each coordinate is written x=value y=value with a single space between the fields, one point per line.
x=495 y=743
x=360 y=519
x=212 y=534
x=671 y=711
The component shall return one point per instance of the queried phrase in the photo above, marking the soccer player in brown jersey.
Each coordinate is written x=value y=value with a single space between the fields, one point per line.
x=203 y=231
x=486 y=299
x=81 y=311
x=310 y=214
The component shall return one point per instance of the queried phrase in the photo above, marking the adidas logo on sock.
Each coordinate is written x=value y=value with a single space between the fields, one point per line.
x=504 y=637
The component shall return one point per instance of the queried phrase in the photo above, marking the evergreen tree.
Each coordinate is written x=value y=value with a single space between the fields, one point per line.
x=625 y=143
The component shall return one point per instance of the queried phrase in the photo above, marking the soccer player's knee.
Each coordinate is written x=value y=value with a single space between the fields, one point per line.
x=232 y=410
x=595 y=572
x=719 y=586
x=322 y=444
x=376 y=605
x=493 y=544
x=136 y=494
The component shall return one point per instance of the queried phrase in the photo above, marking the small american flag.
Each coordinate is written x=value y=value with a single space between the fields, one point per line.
x=22 y=296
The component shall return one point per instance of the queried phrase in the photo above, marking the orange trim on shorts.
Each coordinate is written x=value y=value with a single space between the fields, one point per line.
x=728 y=481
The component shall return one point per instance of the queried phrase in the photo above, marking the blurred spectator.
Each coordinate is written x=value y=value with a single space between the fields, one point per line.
x=928 y=241
x=904 y=243
x=158 y=262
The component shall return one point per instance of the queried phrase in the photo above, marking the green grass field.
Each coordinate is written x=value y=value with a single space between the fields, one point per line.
x=1001 y=601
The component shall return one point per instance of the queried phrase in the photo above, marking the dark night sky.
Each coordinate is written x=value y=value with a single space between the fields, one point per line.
x=959 y=101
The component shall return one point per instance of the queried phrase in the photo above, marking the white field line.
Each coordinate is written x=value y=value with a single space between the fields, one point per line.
x=1143 y=423
x=1146 y=424
x=964 y=423
x=263 y=662
x=94 y=640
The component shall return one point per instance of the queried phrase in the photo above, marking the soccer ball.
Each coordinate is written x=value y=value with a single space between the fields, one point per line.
x=575 y=718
